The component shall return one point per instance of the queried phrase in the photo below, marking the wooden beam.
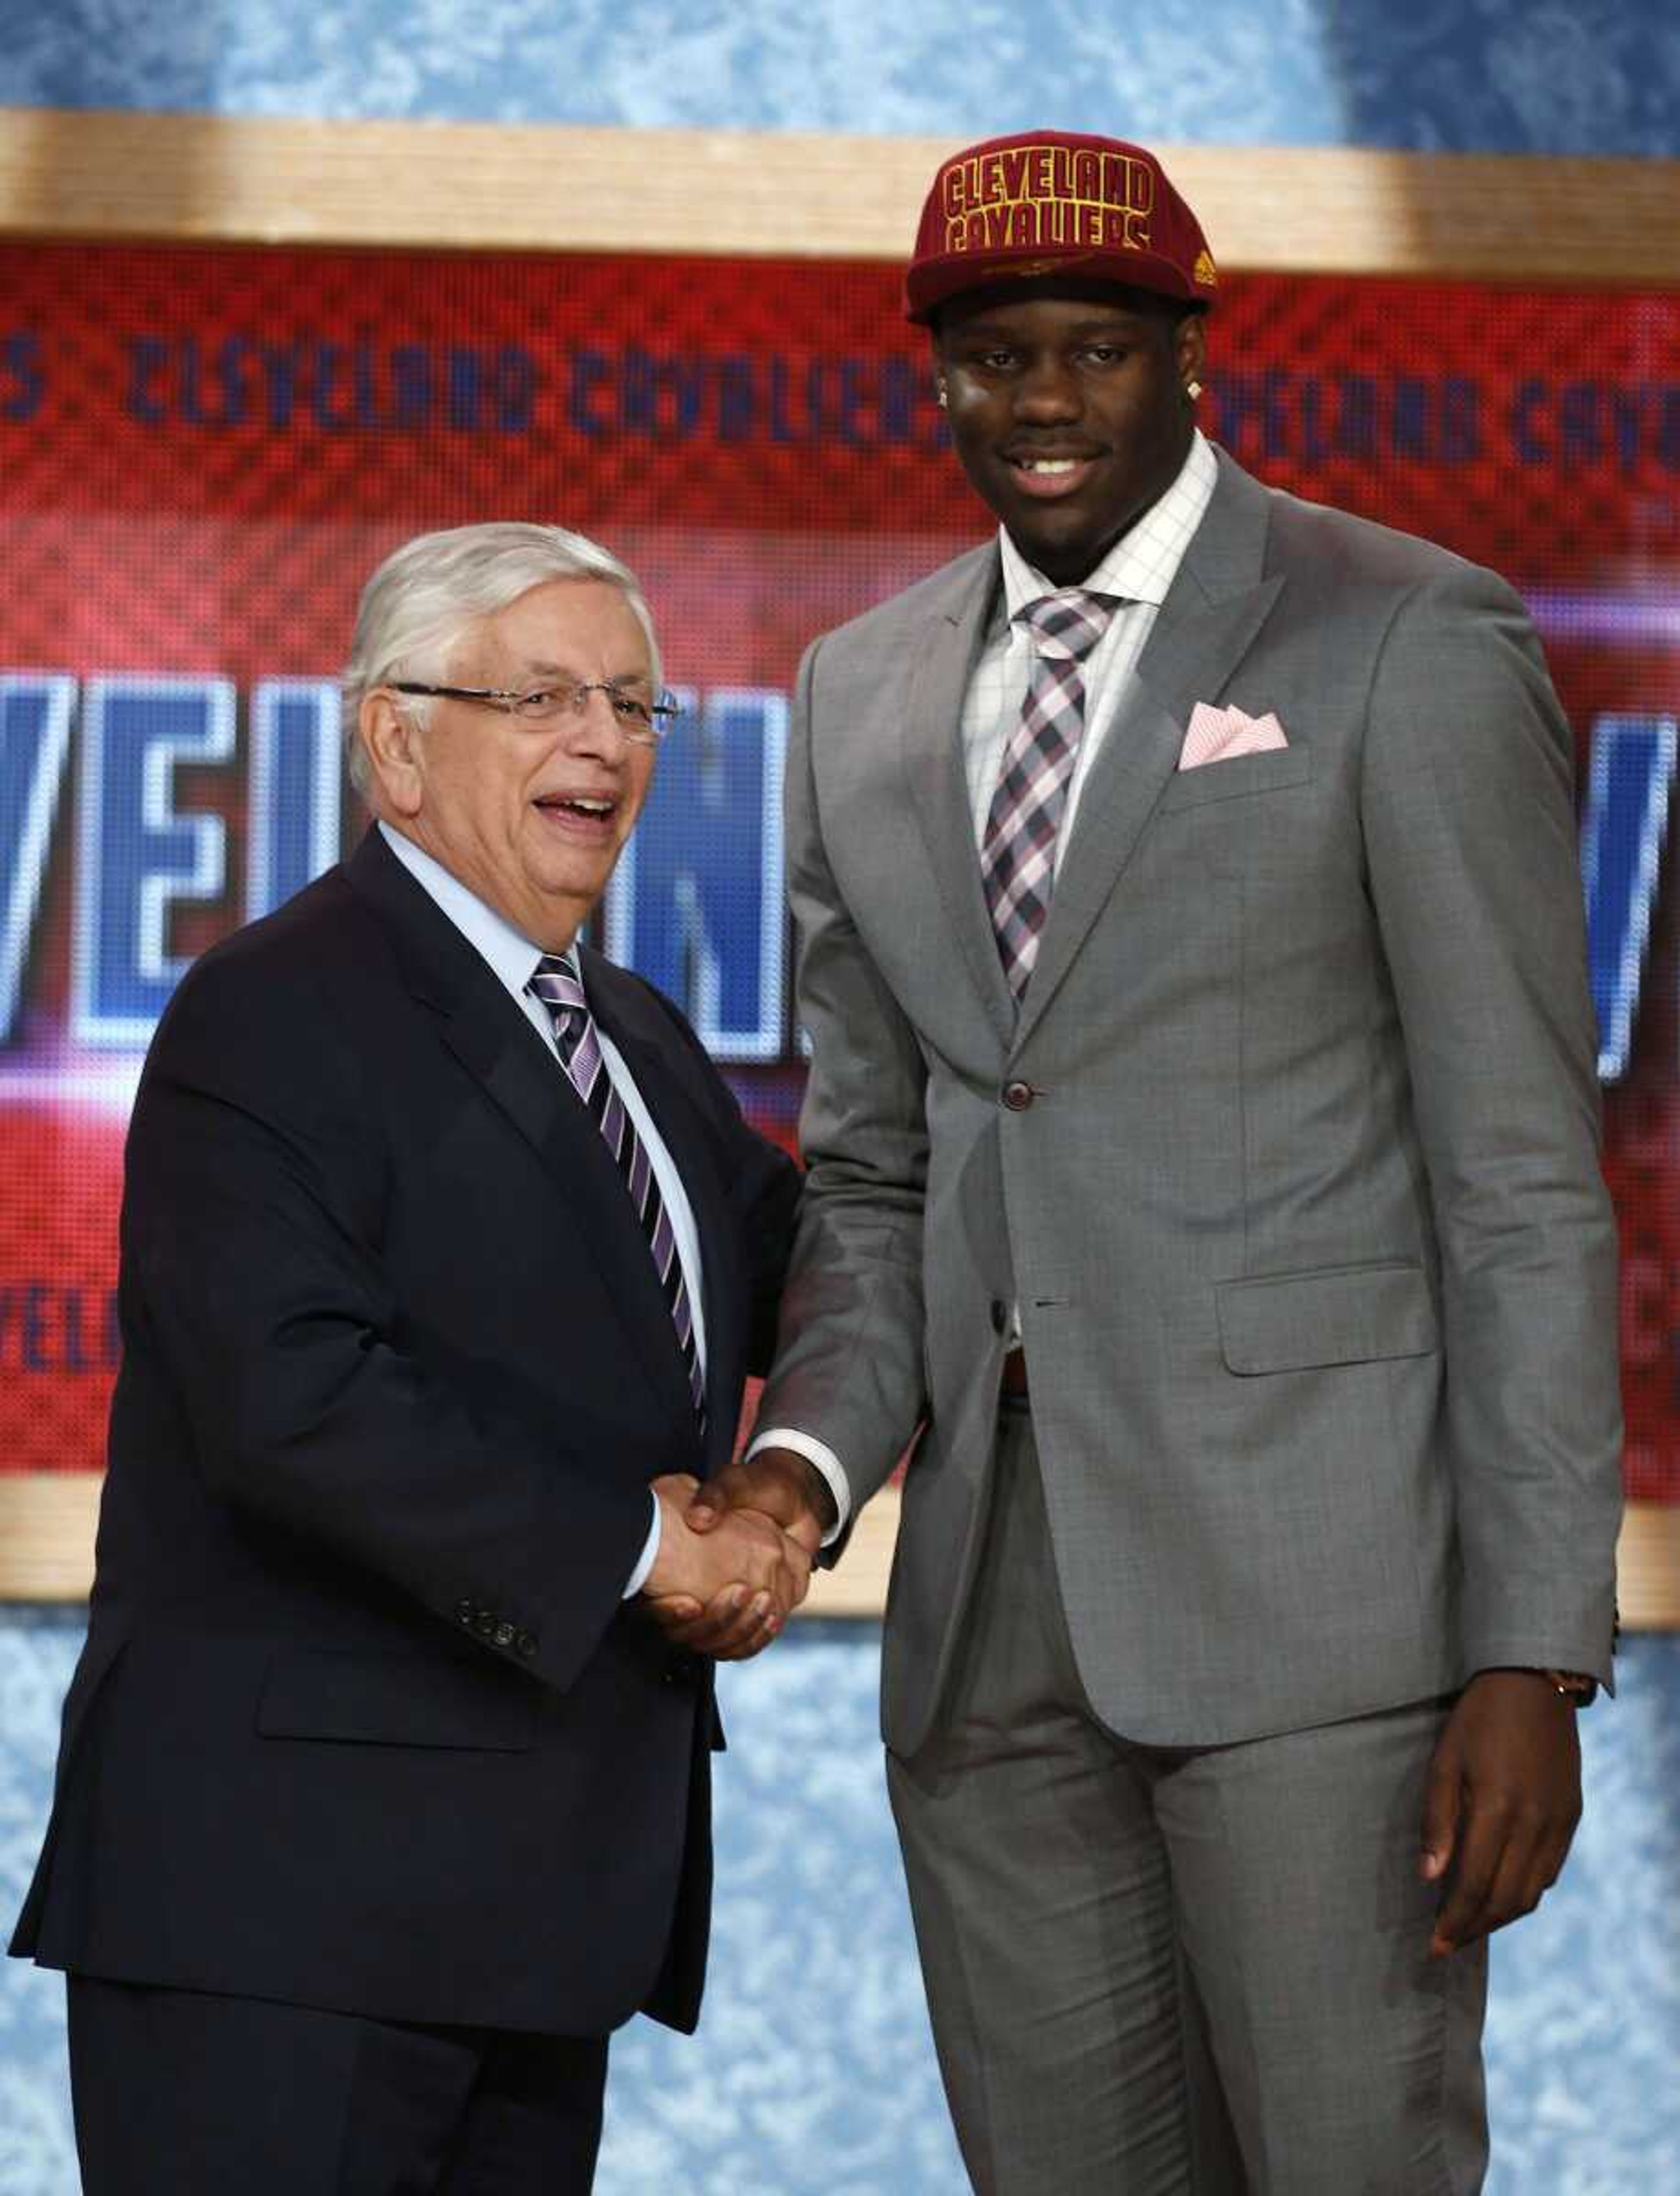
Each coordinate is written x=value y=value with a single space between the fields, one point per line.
x=1648 y=1564
x=47 y=1522
x=1648 y=1561
x=858 y=1587
x=483 y=187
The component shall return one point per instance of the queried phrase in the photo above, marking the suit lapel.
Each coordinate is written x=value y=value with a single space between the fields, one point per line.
x=487 y=1034
x=933 y=760
x=1213 y=609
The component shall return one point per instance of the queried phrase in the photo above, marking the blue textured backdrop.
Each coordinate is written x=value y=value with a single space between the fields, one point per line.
x=814 y=2071
x=1593 y=76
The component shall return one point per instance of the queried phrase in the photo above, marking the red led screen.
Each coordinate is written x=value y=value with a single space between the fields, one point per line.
x=204 y=453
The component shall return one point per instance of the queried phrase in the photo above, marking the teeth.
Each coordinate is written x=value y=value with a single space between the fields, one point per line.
x=589 y=807
x=1048 y=464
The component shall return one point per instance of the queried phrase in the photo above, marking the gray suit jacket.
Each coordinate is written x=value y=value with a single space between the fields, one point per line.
x=1315 y=1267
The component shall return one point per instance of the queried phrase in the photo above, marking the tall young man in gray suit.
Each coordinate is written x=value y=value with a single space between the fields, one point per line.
x=1203 y=1147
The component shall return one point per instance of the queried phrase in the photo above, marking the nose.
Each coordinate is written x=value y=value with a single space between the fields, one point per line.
x=1048 y=390
x=593 y=727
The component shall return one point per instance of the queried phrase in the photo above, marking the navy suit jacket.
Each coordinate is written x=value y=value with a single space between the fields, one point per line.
x=362 y=1722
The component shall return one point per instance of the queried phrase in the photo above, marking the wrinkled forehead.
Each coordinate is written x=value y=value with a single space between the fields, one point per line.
x=582 y=629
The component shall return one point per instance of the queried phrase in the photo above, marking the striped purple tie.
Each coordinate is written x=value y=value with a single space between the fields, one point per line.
x=1017 y=855
x=560 y=989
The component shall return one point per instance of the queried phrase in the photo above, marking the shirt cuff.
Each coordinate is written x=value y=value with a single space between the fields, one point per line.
x=650 y=1551
x=818 y=1454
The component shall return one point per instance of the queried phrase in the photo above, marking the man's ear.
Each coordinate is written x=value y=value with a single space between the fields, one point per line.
x=1190 y=348
x=390 y=740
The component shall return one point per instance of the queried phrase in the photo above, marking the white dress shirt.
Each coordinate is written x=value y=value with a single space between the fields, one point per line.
x=512 y=961
x=1139 y=571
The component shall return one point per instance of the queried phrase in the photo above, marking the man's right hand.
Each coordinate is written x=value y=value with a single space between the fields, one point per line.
x=777 y=1484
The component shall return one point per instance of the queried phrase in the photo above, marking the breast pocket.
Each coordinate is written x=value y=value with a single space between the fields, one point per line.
x=1269 y=772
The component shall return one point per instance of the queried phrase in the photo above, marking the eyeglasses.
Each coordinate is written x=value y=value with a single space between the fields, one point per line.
x=639 y=719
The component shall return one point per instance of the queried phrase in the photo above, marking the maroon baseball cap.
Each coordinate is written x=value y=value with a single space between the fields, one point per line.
x=1050 y=203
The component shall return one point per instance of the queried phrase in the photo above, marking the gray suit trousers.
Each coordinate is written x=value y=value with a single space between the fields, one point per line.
x=1155 y=1970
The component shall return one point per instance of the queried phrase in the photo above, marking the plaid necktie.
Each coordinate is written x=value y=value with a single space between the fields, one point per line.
x=560 y=989
x=1017 y=855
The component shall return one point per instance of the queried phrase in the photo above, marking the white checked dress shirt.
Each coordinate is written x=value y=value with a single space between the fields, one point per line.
x=512 y=961
x=1137 y=570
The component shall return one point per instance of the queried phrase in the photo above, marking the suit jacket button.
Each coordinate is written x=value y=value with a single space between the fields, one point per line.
x=504 y=1633
x=525 y=1645
x=484 y=1624
x=1019 y=1096
x=999 y=1315
x=466 y=1611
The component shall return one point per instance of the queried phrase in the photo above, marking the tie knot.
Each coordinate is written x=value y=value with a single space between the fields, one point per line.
x=1068 y=624
x=558 y=984
x=560 y=989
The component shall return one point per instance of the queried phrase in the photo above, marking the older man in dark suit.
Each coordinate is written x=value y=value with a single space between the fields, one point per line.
x=383 y=1798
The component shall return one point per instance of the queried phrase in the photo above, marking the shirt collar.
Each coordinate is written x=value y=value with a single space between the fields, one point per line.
x=510 y=953
x=1142 y=564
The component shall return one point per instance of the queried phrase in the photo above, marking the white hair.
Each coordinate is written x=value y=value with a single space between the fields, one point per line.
x=422 y=599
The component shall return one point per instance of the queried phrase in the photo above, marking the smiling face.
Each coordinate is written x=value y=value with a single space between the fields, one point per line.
x=1067 y=408
x=532 y=817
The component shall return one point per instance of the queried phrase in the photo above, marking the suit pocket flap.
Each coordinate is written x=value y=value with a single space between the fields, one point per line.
x=396 y=1700
x=1339 y=1315
x=1267 y=772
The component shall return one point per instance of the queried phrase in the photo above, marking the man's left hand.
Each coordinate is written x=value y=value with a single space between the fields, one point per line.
x=1503 y=1799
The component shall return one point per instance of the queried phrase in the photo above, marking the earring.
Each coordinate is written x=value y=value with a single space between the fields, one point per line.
x=944 y=400
x=1192 y=390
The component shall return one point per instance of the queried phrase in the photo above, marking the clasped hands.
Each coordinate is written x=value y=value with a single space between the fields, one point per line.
x=735 y=1552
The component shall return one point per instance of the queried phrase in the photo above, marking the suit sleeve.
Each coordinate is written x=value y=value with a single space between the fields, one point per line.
x=252 y=1227
x=848 y=1369
x=1471 y=838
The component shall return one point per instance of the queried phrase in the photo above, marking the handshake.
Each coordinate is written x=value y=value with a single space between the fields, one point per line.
x=735 y=1554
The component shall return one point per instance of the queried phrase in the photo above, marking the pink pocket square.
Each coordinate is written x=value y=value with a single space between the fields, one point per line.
x=1217 y=735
